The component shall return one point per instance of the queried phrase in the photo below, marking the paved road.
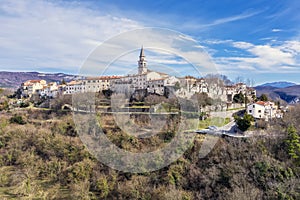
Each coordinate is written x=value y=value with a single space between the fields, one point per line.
x=227 y=130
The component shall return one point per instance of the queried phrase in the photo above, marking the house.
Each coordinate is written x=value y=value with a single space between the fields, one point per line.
x=49 y=90
x=190 y=85
x=232 y=90
x=73 y=87
x=89 y=84
x=96 y=84
x=263 y=110
x=31 y=87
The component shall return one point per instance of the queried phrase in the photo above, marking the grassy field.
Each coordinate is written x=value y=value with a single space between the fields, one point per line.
x=216 y=121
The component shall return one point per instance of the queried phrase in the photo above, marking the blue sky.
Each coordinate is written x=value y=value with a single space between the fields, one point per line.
x=257 y=39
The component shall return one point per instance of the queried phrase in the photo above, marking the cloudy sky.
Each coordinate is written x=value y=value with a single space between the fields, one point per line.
x=256 y=39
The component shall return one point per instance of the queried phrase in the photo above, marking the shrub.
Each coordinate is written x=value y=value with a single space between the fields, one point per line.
x=17 y=119
x=261 y=124
x=24 y=104
x=4 y=105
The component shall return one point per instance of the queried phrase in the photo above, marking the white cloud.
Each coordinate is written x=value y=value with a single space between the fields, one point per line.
x=292 y=47
x=234 y=18
x=242 y=45
x=276 y=30
x=51 y=35
x=56 y=36
x=269 y=56
x=217 y=41
x=283 y=58
x=168 y=48
x=204 y=24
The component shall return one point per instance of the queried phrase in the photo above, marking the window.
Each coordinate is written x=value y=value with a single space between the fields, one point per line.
x=253 y=106
x=250 y=111
x=259 y=111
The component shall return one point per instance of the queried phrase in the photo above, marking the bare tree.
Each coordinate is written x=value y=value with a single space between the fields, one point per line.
x=239 y=79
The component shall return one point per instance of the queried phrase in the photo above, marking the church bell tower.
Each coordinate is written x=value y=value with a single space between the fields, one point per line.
x=142 y=63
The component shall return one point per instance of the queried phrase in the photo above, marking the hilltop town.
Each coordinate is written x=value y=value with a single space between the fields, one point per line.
x=217 y=94
x=146 y=80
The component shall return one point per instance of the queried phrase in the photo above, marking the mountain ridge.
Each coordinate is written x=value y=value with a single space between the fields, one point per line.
x=278 y=84
x=15 y=79
x=289 y=94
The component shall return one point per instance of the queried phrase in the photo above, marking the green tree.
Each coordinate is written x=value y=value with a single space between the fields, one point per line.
x=245 y=122
x=203 y=99
x=177 y=86
x=293 y=143
x=278 y=103
x=263 y=97
x=239 y=98
x=63 y=82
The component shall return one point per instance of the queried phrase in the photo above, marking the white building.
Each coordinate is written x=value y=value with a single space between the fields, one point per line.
x=190 y=85
x=90 y=84
x=232 y=90
x=73 y=87
x=263 y=110
x=49 y=90
x=149 y=80
x=32 y=86
x=95 y=84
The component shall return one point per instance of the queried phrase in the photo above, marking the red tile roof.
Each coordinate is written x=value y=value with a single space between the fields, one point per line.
x=261 y=103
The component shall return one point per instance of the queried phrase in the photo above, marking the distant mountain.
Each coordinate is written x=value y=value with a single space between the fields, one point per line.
x=280 y=84
x=290 y=94
x=15 y=79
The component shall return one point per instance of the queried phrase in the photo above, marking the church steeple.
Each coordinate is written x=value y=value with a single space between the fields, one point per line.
x=142 y=54
x=142 y=62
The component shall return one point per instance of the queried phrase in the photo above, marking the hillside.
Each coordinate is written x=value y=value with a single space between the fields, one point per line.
x=42 y=157
x=290 y=94
x=14 y=79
